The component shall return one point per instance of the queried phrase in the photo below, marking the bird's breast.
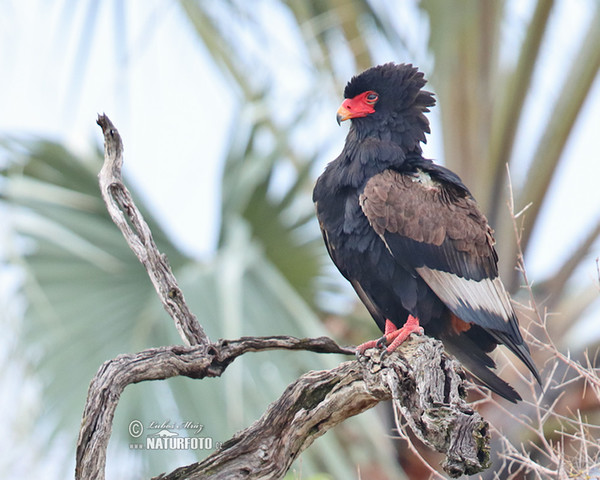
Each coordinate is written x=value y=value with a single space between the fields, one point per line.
x=346 y=226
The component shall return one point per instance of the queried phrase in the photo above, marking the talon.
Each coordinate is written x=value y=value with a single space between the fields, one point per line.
x=363 y=347
x=393 y=336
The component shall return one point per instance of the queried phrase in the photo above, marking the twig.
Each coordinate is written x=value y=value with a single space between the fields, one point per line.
x=553 y=434
x=403 y=434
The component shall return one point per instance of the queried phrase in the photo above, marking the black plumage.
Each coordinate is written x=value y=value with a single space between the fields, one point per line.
x=407 y=233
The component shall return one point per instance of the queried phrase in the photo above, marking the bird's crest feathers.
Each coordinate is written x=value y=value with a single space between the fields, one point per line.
x=399 y=83
x=399 y=111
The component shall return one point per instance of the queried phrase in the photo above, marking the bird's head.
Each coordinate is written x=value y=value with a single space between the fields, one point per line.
x=388 y=99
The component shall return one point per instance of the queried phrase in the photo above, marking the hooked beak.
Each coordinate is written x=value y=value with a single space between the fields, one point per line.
x=343 y=114
x=354 y=108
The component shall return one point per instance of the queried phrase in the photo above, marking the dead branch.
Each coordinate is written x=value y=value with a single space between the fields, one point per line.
x=425 y=385
x=421 y=380
x=159 y=364
x=130 y=221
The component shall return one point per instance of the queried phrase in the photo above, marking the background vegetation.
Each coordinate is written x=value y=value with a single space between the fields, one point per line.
x=516 y=83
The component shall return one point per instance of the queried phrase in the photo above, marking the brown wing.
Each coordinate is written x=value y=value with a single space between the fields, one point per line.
x=442 y=221
x=435 y=228
x=438 y=231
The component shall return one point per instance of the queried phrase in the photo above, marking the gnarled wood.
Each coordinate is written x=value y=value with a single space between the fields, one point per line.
x=158 y=364
x=130 y=221
x=422 y=381
x=424 y=384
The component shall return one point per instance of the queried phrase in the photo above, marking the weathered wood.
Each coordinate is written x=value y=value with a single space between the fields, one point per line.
x=159 y=364
x=318 y=401
x=434 y=408
x=130 y=221
x=424 y=384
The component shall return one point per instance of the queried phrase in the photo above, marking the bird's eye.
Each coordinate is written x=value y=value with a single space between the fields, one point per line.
x=372 y=97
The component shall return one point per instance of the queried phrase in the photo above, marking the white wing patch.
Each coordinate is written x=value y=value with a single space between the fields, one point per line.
x=425 y=179
x=457 y=292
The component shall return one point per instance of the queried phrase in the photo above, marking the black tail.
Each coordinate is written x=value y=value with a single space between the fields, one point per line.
x=479 y=364
x=521 y=350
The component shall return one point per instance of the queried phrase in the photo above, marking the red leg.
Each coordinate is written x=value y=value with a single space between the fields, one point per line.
x=393 y=337
x=389 y=327
x=399 y=336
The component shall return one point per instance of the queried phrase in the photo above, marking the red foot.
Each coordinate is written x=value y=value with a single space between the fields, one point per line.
x=389 y=327
x=393 y=337
x=400 y=335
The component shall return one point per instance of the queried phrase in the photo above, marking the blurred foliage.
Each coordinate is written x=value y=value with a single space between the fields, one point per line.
x=89 y=299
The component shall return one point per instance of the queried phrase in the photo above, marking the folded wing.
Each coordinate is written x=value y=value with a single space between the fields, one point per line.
x=434 y=227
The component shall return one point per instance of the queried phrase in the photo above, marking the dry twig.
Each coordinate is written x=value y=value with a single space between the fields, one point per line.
x=560 y=442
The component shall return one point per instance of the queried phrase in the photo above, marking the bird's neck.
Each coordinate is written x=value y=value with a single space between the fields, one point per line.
x=360 y=160
x=365 y=154
x=375 y=151
x=396 y=130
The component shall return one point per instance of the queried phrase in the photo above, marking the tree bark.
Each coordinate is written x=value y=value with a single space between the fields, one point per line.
x=419 y=378
x=425 y=385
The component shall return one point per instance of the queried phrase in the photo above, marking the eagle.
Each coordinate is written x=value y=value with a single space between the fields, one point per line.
x=407 y=233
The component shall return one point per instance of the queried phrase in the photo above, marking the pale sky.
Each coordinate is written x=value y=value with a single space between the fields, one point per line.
x=145 y=70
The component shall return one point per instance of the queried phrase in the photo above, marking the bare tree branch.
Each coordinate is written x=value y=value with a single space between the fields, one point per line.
x=425 y=385
x=420 y=379
x=159 y=364
x=130 y=221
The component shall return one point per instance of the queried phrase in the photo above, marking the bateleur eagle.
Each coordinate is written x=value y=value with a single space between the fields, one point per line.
x=407 y=233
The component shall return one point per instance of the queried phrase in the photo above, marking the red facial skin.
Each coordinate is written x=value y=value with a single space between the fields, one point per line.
x=359 y=106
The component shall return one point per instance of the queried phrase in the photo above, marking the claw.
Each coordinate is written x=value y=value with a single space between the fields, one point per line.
x=393 y=336
x=383 y=354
